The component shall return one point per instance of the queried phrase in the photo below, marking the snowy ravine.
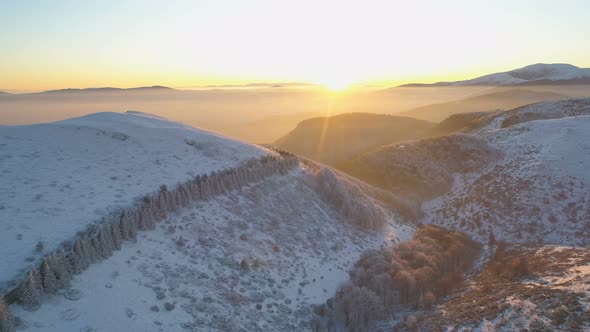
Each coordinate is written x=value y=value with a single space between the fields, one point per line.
x=57 y=178
x=255 y=259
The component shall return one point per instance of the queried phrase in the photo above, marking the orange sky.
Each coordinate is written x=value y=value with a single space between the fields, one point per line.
x=51 y=45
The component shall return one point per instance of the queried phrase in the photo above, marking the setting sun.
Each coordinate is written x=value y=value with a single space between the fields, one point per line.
x=314 y=166
x=336 y=84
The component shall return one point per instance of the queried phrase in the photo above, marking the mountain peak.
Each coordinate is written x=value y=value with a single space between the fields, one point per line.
x=535 y=74
x=554 y=71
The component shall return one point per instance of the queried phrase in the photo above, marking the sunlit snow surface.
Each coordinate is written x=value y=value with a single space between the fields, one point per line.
x=539 y=191
x=303 y=251
x=57 y=178
x=187 y=274
x=539 y=71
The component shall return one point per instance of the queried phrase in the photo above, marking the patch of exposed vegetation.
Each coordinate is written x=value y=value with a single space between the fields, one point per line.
x=521 y=288
x=413 y=274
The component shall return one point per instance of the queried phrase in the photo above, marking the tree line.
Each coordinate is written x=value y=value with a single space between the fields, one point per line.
x=99 y=241
x=411 y=274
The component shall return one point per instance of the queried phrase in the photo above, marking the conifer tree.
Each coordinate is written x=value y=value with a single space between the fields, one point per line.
x=76 y=257
x=6 y=320
x=95 y=249
x=62 y=269
x=105 y=242
x=124 y=226
x=29 y=294
x=162 y=204
x=48 y=277
x=132 y=228
x=89 y=250
x=150 y=218
x=116 y=234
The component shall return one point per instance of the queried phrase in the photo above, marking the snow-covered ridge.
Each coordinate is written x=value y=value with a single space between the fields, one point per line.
x=536 y=72
x=57 y=178
x=537 y=192
x=537 y=111
x=540 y=73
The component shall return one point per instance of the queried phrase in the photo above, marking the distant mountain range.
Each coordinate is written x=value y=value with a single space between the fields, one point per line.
x=109 y=89
x=537 y=74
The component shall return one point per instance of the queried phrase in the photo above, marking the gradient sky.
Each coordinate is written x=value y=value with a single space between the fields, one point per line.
x=58 y=44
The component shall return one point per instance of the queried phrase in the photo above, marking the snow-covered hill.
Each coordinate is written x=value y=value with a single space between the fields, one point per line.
x=525 y=194
x=255 y=259
x=538 y=111
x=521 y=174
x=548 y=292
x=538 y=191
x=59 y=177
x=540 y=73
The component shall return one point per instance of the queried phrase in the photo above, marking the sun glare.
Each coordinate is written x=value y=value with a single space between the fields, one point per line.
x=336 y=85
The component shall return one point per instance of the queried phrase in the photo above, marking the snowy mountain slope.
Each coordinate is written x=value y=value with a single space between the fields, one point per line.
x=497 y=99
x=57 y=178
x=538 y=111
x=297 y=252
x=546 y=293
x=521 y=174
x=533 y=197
x=531 y=73
x=422 y=169
x=478 y=122
x=537 y=192
x=254 y=259
x=541 y=73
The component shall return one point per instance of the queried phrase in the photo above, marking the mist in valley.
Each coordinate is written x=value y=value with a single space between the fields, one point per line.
x=265 y=114
x=318 y=166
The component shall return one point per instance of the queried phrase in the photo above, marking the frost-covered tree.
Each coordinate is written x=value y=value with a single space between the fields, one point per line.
x=89 y=249
x=172 y=200
x=96 y=248
x=62 y=269
x=184 y=195
x=77 y=257
x=116 y=234
x=48 y=277
x=29 y=291
x=6 y=320
x=162 y=201
x=412 y=273
x=124 y=225
x=143 y=219
x=203 y=188
x=128 y=226
x=355 y=206
x=105 y=241
x=195 y=191
x=133 y=225
x=57 y=269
